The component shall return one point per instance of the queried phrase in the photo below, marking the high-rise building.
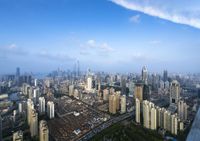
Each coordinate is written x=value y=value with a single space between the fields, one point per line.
x=137 y=110
x=71 y=90
x=89 y=83
x=174 y=92
x=112 y=104
x=105 y=94
x=50 y=109
x=20 y=110
x=123 y=104
x=153 y=118
x=146 y=114
x=41 y=105
x=182 y=110
x=139 y=91
x=44 y=131
x=18 y=136
x=30 y=107
x=174 y=124
x=34 y=123
x=165 y=75
x=0 y=127
x=17 y=72
x=117 y=95
x=36 y=94
x=144 y=75
x=35 y=82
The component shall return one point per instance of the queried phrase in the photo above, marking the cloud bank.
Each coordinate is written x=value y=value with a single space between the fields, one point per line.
x=177 y=11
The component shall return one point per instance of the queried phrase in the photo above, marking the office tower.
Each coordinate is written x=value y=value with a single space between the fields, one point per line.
x=0 y=127
x=112 y=104
x=153 y=118
x=131 y=88
x=146 y=92
x=182 y=110
x=41 y=105
x=34 y=123
x=144 y=75
x=71 y=90
x=36 y=94
x=18 y=136
x=89 y=83
x=165 y=76
x=174 y=124
x=35 y=82
x=30 y=107
x=105 y=94
x=174 y=92
x=137 y=110
x=78 y=68
x=17 y=72
x=50 y=109
x=44 y=131
x=20 y=110
x=123 y=104
x=139 y=91
x=123 y=85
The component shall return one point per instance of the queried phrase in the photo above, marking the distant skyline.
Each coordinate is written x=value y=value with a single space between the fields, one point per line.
x=104 y=35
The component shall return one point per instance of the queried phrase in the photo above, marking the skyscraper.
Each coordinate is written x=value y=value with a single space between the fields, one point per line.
x=182 y=110
x=112 y=104
x=41 y=105
x=137 y=110
x=174 y=92
x=144 y=75
x=34 y=123
x=153 y=118
x=89 y=83
x=17 y=72
x=165 y=75
x=138 y=91
x=18 y=136
x=0 y=127
x=123 y=104
x=44 y=131
x=50 y=109
x=30 y=107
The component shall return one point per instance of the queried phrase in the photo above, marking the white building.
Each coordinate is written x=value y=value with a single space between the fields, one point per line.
x=182 y=110
x=41 y=105
x=71 y=90
x=50 y=109
x=153 y=118
x=137 y=110
x=89 y=83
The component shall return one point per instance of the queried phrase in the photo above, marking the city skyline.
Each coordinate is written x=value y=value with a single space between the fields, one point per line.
x=104 y=35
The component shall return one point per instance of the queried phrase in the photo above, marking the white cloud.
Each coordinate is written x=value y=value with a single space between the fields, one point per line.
x=176 y=11
x=12 y=46
x=135 y=19
x=92 y=44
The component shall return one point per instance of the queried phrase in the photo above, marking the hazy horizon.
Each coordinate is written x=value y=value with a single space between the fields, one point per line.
x=104 y=35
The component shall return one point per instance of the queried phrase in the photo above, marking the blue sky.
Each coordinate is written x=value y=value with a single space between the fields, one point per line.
x=105 y=35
